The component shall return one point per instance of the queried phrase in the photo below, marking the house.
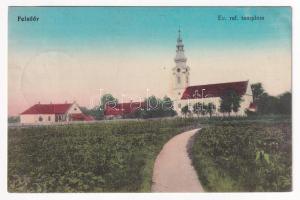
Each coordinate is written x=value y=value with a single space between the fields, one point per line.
x=121 y=110
x=183 y=94
x=51 y=113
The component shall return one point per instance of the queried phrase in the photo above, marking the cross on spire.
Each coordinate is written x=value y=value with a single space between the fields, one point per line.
x=179 y=32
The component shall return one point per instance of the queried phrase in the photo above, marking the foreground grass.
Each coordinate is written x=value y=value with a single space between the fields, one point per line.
x=105 y=157
x=116 y=156
x=248 y=155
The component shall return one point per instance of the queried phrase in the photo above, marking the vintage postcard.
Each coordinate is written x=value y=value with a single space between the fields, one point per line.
x=149 y=99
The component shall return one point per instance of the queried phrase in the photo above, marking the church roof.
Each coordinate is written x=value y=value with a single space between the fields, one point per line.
x=48 y=109
x=214 y=90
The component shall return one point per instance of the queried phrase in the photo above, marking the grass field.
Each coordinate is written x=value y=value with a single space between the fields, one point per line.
x=245 y=156
x=103 y=157
x=118 y=156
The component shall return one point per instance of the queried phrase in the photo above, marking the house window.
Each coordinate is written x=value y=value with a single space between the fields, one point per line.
x=75 y=108
x=40 y=118
x=49 y=118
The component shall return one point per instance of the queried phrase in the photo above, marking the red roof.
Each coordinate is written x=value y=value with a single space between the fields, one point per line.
x=252 y=106
x=214 y=90
x=81 y=117
x=48 y=109
x=123 y=108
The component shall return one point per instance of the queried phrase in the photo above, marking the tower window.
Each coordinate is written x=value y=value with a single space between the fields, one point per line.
x=178 y=70
x=178 y=80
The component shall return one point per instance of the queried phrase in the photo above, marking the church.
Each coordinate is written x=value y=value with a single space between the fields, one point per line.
x=185 y=95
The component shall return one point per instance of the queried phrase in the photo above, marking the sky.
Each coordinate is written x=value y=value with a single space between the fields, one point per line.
x=79 y=53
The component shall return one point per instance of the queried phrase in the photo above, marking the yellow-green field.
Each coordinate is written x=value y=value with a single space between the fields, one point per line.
x=118 y=156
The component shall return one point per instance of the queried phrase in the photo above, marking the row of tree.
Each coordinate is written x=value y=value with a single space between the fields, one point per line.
x=230 y=102
x=153 y=108
x=267 y=104
x=199 y=109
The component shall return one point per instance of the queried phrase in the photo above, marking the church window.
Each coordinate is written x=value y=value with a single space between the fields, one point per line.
x=178 y=79
x=178 y=70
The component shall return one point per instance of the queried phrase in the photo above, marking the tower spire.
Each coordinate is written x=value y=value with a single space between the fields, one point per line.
x=179 y=49
x=179 y=34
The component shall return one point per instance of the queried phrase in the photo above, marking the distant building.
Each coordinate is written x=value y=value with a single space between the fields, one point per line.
x=121 y=110
x=51 y=113
x=183 y=94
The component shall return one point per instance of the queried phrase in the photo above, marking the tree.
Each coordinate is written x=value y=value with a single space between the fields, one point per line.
x=230 y=101
x=152 y=108
x=167 y=106
x=285 y=103
x=185 y=110
x=211 y=107
x=98 y=111
x=257 y=91
x=236 y=103
x=95 y=112
x=197 y=107
x=267 y=105
x=108 y=100
x=13 y=119
x=155 y=107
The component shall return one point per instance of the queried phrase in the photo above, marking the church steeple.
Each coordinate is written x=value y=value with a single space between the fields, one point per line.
x=180 y=57
x=181 y=70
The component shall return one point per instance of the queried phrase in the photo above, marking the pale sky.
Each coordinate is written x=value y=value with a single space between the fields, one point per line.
x=73 y=53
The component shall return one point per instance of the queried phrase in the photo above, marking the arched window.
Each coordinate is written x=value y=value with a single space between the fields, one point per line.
x=178 y=80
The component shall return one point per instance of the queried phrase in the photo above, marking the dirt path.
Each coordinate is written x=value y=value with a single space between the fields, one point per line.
x=173 y=170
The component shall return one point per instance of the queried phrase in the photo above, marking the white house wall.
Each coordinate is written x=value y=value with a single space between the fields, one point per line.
x=34 y=118
x=74 y=109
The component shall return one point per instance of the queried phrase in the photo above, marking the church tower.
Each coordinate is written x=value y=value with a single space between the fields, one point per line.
x=181 y=71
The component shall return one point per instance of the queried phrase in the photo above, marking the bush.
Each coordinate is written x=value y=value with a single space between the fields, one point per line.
x=250 y=156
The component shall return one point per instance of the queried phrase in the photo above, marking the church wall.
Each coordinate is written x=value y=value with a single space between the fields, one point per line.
x=246 y=100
